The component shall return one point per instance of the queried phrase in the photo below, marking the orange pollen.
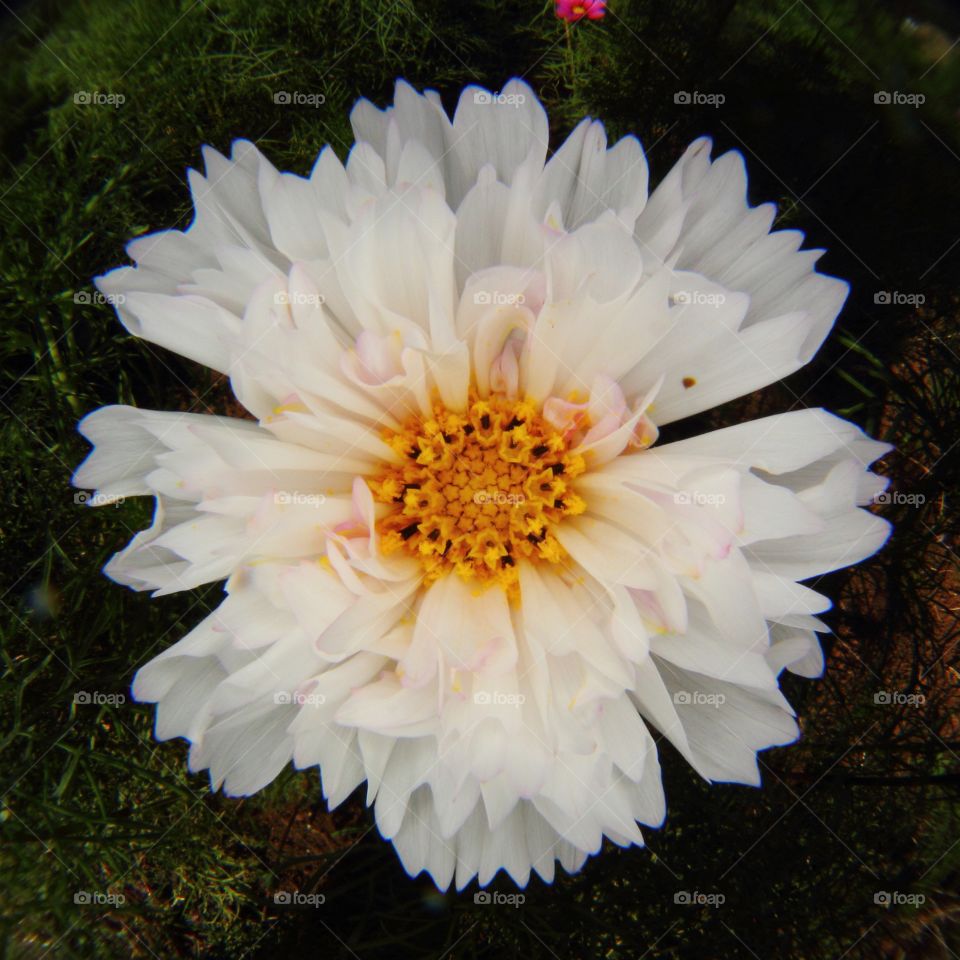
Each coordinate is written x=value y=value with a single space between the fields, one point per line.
x=478 y=491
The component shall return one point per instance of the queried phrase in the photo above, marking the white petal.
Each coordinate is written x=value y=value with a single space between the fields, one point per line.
x=500 y=129
x=468 y=627
x=726 y=724
x=245 y=751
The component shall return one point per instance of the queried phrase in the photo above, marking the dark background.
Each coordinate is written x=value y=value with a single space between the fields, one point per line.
x=865 y=805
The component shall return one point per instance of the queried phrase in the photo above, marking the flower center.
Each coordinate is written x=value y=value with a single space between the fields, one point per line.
x=478 y=491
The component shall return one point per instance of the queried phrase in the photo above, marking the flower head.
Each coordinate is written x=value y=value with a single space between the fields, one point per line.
x=573 y=10
x=459 y=566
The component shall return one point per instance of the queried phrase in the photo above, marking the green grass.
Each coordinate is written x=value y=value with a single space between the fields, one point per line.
x=91 y=803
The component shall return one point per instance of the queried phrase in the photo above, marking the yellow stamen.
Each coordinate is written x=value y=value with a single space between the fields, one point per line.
x=478 y=492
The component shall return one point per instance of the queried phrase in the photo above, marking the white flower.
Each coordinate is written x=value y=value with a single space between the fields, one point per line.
x=456 y=566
